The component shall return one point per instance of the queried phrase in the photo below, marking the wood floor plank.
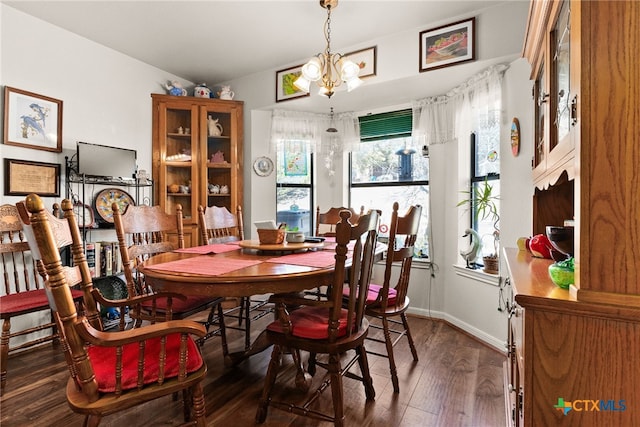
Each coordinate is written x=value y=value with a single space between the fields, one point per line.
x=457 y=381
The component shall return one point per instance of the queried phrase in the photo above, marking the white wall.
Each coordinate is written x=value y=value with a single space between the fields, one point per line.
x=516 y=199
x=106 y=96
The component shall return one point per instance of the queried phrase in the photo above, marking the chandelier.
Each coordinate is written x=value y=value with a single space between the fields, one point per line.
x=328 y=69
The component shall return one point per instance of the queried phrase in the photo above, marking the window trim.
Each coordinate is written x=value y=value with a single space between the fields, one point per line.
x=475 y=178
x=311 y=186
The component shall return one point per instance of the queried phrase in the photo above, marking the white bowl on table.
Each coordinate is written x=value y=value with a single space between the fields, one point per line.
x=295 y=237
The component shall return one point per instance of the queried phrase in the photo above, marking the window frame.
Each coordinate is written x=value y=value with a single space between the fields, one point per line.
x=310 y=186
x=399 y=127
x=475 y=179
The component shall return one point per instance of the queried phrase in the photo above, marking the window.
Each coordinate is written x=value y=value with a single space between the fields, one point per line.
x=294 y=181
x=485 y=171
x=386 y=169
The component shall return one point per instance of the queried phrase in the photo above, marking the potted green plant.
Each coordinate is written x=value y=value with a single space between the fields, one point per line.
x=482 y=200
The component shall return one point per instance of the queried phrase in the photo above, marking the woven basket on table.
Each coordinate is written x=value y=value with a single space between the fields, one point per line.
x=271 y=237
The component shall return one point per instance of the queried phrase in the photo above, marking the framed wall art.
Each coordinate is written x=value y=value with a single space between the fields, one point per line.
x=285 y=89
x=32 y=120
x=447 y=45
x=365 y=59
x=24 y=177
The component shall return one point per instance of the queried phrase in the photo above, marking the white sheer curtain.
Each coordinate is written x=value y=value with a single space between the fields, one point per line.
x=476 y=102
x=312 y=127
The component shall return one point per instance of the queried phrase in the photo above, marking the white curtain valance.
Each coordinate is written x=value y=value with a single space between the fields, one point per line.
x=312 y=127
x=437 y=120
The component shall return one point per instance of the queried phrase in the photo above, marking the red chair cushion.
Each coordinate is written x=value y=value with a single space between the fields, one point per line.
x=372 y=295
x=178 y=306
x=103 y=360
x=28 y=301
x=312 y=323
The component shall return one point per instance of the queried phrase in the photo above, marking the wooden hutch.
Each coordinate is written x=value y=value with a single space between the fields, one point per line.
x=573 y=354
x=191 y=165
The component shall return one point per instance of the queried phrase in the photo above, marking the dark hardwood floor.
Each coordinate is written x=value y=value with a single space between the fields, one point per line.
x=457 y=382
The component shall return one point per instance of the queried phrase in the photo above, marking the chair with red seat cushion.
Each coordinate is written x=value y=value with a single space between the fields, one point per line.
x=144 y=231
x=325 y=327
x=22 y=292
x=114 y=371
x=386 y=302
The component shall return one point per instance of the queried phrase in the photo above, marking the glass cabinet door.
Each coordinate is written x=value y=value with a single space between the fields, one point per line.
x=541 y=97
x=180 y=152
x=561 y=65
x=220 y=156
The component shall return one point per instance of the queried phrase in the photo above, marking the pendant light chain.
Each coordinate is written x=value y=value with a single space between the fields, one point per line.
x=327 y=32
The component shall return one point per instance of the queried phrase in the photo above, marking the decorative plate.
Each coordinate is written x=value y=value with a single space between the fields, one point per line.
x=263 y=166
x=515 y=137
x=105 y=198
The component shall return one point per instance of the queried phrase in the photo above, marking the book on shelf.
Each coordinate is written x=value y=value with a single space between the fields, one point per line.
x=98 y=266
x=104 y=258
x=117 y=258
x=106 y=263
x=90 y=254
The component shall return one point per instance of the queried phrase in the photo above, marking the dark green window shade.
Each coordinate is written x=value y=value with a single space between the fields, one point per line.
x=394 y=124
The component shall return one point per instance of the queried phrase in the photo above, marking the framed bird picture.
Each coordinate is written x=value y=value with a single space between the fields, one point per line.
x=32 y=120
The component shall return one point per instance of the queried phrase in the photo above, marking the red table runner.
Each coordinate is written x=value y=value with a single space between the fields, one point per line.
x=308 y=259
x=216 y=248
x=210 y=266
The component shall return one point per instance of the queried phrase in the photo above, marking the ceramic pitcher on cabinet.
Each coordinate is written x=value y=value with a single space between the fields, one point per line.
x=215 y=128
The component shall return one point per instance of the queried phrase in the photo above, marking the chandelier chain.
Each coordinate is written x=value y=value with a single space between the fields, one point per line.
x=327 y=31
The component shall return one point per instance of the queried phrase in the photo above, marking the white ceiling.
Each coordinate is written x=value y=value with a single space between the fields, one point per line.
x=216 y=41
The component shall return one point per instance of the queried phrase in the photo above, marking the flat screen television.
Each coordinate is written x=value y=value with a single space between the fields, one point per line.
x=103 y=161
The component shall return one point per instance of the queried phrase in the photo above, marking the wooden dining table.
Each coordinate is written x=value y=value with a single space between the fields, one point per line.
x=229 y=270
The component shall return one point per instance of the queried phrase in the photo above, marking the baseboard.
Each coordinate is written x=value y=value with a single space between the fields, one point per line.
x=491 y=341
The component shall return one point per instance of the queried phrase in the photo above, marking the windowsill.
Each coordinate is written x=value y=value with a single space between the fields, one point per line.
x=423 y=263
x=477 y=275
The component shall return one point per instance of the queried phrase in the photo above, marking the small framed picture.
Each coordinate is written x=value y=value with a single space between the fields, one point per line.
x=365 y=59
x=447 y=45
x=32 y=120
x=285 y=89
x=24 y=177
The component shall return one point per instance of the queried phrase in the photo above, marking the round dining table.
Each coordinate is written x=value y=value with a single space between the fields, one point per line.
x=222 y=272
x=228 y=270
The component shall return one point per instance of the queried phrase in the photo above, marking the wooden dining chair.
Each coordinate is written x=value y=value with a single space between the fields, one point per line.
x=389 y=301
x=113 y=371
x=144 y=231
x=326 y=221
x=218 y=225
x=326 y=227
x=324 y=327
x=23 y=292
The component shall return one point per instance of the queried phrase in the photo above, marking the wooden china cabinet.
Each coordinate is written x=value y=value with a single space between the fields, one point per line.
x=192 y=166
x=573 y=354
